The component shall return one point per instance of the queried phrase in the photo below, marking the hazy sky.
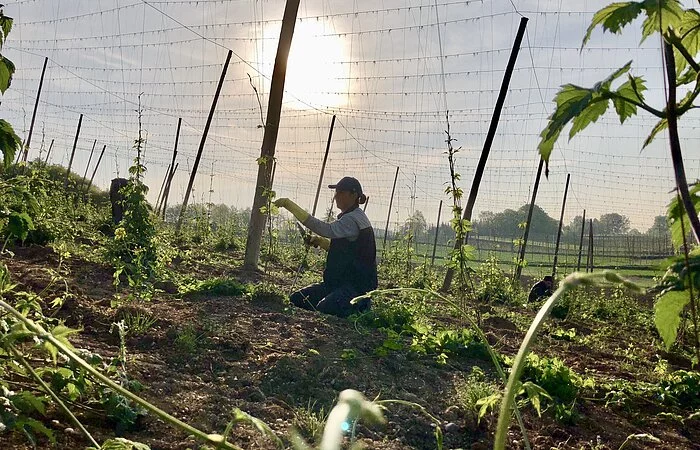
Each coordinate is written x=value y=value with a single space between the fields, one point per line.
x=376 y=65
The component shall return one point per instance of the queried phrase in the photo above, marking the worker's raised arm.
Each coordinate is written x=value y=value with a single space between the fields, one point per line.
x=345 y=227
x=319 y=241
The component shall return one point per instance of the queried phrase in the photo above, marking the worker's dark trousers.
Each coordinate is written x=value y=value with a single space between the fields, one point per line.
x=318 y=297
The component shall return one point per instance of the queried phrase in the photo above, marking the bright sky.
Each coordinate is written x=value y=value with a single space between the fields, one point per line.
x=376 y=65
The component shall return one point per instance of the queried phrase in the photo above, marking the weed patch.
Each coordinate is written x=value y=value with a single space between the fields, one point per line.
x=268 y=293
x=221 y=286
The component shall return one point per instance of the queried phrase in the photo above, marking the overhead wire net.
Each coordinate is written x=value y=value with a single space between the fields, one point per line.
x=388 y=71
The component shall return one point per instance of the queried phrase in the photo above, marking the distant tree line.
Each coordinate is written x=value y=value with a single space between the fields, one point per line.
x=510 y=224
x=507 y=224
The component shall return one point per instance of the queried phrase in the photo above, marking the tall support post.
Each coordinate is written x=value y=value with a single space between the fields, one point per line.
x=201 y=143
x=72 y=153
x=561 y=223
x=167 y=190
x=391 y=203
x=589 y=262
x=169 y=174
x=323 y=166
x=173 y=167
x=272 y=176
x=521 y=256
x=162 y=189
x=437 y=232
x=18 y=157
x=99 y=160
x=46 y=161
x=36 y=105
x=489 y=140
x=87 y=167
x=580 y=244
x=267 y=152
x=269 y=216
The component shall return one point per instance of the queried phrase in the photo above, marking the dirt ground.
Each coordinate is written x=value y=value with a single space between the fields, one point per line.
x=270 y=360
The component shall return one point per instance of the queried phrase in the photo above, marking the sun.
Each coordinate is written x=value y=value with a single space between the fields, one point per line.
x=317 y=68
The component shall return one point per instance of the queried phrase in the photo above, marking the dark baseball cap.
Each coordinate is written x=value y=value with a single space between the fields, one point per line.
x=349 y=184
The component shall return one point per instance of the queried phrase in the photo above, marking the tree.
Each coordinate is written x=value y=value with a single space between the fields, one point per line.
x=542 y=224
x=506 y=223
x=572 y=231
x=415 y=224
x=659 y=227
x=612 y=223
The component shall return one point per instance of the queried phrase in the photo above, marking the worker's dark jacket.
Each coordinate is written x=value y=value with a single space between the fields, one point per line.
x=352 y=256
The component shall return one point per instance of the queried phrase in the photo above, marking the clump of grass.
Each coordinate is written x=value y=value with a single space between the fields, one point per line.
x=398 y=312
x=473 y=390
x=223 y=286
x=310 y=421
x=187 y=339
x=267 y=293
x=138 y=323
x=227 y=242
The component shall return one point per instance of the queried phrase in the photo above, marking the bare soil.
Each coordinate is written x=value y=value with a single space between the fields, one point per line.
x=269 y=360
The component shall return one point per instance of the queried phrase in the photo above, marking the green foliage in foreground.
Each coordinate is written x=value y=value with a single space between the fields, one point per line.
x=10 y=143
x=23 y=392
x=220 y=286
x=580 y=106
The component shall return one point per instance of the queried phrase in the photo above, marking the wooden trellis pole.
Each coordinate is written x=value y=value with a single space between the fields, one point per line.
x=99 y=160
x=269 y=216
x=561 y=223
x=46 y=161
x=521 y=256
x=201 y=144
x=391 y=202
x=589 y=262
x=323 y=167
x=36 y=105
x=489 y=140
x=164 y=206
x=437 y=232
x=169 y=173
x=72 y=153
x=580 y=244
x=87 y=167
x=267 y=151
x=162 y=189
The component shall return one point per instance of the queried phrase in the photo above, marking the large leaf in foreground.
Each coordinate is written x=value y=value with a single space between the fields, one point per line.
x=676 y=211
x=9 y=142
x=667 y=315
x=613 y=18
x=616 y=16
x=580 y=105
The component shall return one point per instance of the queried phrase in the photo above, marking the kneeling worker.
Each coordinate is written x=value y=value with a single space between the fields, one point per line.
x=351 y=264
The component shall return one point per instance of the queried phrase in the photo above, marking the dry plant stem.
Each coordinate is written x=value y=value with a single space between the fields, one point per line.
x=674 y=141
x=53 y=395
x=693 y=310
x=174 y=421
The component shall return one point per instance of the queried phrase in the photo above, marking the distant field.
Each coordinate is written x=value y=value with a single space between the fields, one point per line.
x=540 y=257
